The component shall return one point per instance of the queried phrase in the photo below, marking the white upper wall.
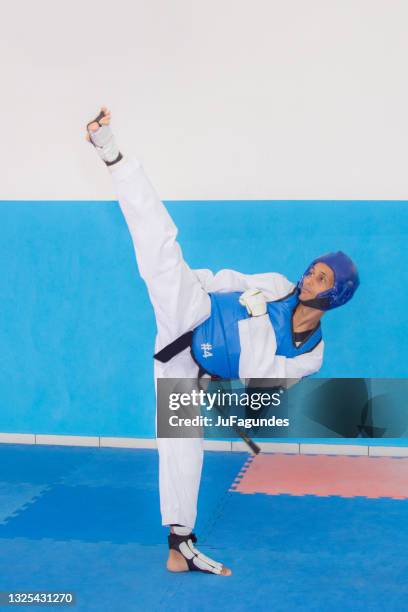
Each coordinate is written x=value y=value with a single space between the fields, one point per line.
x=218 y=98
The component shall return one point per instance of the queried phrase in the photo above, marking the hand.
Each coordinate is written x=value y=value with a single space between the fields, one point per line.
x=254 y=301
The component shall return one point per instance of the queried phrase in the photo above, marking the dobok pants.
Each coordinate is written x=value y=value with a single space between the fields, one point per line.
x=180 y=303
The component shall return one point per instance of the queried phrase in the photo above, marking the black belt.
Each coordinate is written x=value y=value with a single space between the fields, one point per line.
x=178 y=345
x=174 y=348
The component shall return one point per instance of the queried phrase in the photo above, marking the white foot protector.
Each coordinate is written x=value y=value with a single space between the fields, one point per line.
x=104 y=141
x=196 y=561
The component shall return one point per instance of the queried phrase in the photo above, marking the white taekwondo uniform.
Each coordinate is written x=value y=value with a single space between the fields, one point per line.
x=179 y=296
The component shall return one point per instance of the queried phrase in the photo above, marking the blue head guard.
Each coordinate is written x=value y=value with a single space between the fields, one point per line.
x=346 y=281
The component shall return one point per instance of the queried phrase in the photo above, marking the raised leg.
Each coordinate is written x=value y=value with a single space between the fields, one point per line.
x=180 y=304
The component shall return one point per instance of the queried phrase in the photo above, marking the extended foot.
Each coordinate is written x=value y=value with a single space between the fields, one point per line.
x=100 y=135
x=103 y=118
x=185 y=557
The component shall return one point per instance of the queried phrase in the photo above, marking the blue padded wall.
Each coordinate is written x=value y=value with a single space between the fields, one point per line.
x=77 y=330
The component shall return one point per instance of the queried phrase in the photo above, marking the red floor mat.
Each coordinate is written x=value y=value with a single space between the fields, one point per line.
x=321 y=475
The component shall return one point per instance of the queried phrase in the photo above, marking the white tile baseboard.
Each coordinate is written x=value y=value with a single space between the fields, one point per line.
x=388 y=451
x=333 y=449
x=211 y=445
x=217 y=445
x=127 y=442
x=269 y=447
x=58 y=440
x=17 y=438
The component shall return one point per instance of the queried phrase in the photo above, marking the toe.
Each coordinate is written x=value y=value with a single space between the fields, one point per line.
x=107 y=115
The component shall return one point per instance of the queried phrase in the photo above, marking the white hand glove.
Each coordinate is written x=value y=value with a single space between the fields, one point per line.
x=254 y=301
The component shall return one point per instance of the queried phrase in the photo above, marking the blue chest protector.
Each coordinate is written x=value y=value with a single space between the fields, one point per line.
x=216 y=347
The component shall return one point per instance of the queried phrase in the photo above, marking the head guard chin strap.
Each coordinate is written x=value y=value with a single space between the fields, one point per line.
x=346 y=281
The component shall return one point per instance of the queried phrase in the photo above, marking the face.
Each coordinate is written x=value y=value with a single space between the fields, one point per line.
x=319 y=278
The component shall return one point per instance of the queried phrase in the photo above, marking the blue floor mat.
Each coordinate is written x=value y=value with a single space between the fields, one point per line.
x=87 y=520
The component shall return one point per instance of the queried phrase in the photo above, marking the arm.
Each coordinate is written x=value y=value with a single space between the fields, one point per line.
x=272 y=285
x=258 y=353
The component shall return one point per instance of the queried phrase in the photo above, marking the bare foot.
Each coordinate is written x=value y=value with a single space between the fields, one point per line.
x=94 y=125
x=177 y=563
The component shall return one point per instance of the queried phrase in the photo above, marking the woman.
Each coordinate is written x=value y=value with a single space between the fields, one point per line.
x=275 y=330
